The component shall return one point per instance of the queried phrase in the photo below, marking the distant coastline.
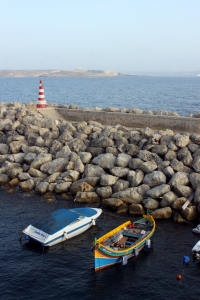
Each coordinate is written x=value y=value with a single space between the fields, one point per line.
x=59 y=73
x=79 y=72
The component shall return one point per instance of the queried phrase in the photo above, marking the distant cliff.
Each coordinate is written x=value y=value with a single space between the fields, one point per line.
x=59 y=73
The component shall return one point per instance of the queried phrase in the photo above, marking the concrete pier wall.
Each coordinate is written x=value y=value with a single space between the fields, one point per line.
x=132 y=120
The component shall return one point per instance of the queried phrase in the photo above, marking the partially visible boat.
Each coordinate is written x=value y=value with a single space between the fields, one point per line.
x=61 y=225
x=123 y=242
x=196 y=251
x=196 y=229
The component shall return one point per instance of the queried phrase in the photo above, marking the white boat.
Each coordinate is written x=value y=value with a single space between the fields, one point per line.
x=61 y=225
x=196 y=251
x=196 y=229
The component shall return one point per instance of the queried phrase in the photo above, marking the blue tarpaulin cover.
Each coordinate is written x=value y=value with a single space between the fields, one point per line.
x=85 y=211
x=56 y=221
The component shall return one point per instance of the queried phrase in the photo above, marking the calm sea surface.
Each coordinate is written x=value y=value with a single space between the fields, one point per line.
x=64 y=271
x=177 y=94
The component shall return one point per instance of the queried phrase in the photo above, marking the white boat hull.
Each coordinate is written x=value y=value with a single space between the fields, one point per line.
x=196 y=251
x=75 y=228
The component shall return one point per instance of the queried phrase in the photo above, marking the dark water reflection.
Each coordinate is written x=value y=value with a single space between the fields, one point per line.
x=64 y=271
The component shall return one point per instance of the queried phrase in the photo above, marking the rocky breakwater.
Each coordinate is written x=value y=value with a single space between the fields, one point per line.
x=127 y=170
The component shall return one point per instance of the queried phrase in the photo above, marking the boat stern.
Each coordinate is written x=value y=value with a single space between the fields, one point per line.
x=36 y=234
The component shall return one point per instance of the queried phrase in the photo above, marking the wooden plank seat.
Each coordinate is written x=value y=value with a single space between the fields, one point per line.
x=133 y=235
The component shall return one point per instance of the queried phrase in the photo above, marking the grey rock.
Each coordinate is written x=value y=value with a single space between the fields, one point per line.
x=178 y=203
x=155 y=178
x=23 y=176
x=136 y=209
x=135 y=163
x=62 y=187
x=160 y=149
x=105 y=161
x=120 y=185
x=190 y=213
x=122 y=160
x=14 y=172
x=150 y=203
x=179 y=178
x=181 y=140
x=194 y=179
x=196 y=164
x=27 y=185
x=85 y=157
x=69 y=176
x=19 y=157
x=40 y=159
x=79 y=166
x=102 y=142
x=119 y=172
x=170 y=155
x=3 y=149
x=114 y=203
x=182 y=191
x=29 y=157
x=52 y=178
x=41 y=187
x=168 y=199
x=135 y=177
x=104 y=192
x=4 y=179
x=129 y=195
x=148 y=166
x=37 y=173
x=87 y=197
x=158 y=191
x=57 y=165
x=91 y=181
x=64 y=152
x=108 y=180
x=162 y=213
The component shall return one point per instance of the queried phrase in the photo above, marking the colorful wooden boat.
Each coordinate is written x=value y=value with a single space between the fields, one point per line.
x=123 y=243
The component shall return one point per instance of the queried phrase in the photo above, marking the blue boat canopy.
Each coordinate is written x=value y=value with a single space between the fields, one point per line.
x=85 y=211
x=56 y=221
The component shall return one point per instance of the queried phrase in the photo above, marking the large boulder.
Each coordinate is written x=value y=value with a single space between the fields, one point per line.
x=129 y=195
x=93 y=171
x=105 y=161
x=108 y=180
x=162 y=213
x=155 y=178
x=87 y=197
x=158 y=191
x=114 y=203
x=56 y=165
x=40 y=159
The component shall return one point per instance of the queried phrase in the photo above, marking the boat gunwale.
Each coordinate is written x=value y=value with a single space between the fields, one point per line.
x=112 y=252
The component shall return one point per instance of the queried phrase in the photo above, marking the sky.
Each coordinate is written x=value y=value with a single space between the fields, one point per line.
x=117 y=35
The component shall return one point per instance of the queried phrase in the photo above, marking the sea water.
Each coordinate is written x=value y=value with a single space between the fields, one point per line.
x=176 y=94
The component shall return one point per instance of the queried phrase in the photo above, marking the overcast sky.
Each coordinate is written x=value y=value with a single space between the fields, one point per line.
x=118 y=35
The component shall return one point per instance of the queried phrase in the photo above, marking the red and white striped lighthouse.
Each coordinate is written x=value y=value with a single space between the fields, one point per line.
x=41 y=99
